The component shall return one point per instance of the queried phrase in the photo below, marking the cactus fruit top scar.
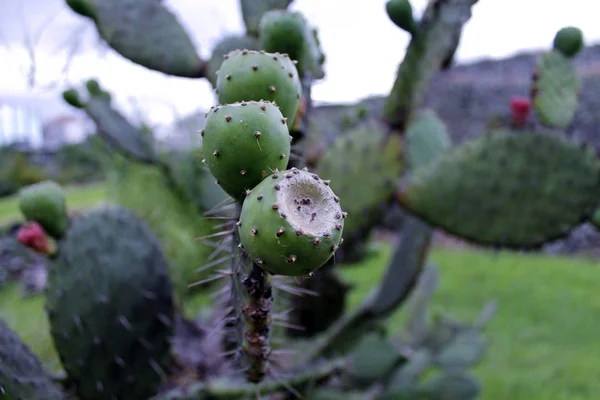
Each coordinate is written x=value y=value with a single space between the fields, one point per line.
x=291 y=223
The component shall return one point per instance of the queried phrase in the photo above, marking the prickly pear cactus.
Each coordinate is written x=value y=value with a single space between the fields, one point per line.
x=401 y=14
x=45 y=203
x=22 y=375
x=363 y=167
x=252 y=75
x=291 y=223
x=426 y=138
x=555 y=90
x=223 y=47
x=517 y=179
x=145 y=32
x=568 y=41
x=110 y=306
x=243 y=143
x=287 y=32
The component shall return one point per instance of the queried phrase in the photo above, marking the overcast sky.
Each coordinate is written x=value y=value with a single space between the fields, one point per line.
x=363 y=47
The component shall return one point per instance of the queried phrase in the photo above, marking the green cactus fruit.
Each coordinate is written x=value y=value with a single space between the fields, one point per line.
x=287 y=32
x=118 y=131
x=511 y=189
x=253 y=11
x=373 y=359
x=363 y=167
x=243 y=143
x=45 y=202
x=147 y=33
x=568 y=41
x=110 y=306
x=291 y=223
x=248 y=75
x=555 y=90
x=72 y=98
x=426 y=138
x=223 y=47
x=400 y=13
x=22 y=375
x=84 y=8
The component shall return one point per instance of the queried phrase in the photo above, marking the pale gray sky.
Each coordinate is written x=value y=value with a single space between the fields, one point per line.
x=363 y=47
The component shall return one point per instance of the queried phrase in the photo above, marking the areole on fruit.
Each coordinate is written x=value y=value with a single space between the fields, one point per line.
x=291 y=223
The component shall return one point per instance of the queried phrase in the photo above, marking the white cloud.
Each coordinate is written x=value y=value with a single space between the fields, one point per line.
x=363 y=47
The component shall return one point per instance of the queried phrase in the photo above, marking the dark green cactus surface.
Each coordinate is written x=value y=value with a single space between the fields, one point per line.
x=373 y=359
x=555 y=90
x=252 y=75
x=426 y=138
x=287 y=32
x=363 y=167
x=291 y=223
x=22 y=376
x=145 y=32
x=222 y=48
x=45 y=203
x=568 y=41
x=243 y=143
x=508 y=189
x=110 y=306
x=401 y=14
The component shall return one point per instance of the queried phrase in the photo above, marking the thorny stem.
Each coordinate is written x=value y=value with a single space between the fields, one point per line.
x=257 y=315
x=252 y=298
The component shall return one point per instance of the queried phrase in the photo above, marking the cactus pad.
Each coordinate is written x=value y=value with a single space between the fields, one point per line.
x=247 y=75
x=287 y=32
x=117 y=130
x=555 y=90
x=400 y=13
x=45 y=203
x=363 y=169
x=226 y=45
x=146 y=32
x=243 y=143
x=511 y=189
x=22 y=375
x=291 y=223
x=426 y=138
x=568 y=41
x=110 y=306
x=372 y=360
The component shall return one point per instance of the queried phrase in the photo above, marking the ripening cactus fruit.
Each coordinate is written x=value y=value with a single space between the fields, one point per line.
x=247 y=75
x=243 y=143
x=568 y=41
x=400 y=13
x=287 y=32
x=45 y=203
x=291 y=223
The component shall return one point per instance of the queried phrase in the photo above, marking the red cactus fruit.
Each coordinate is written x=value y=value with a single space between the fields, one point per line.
x=32 y=235
x=520 y=108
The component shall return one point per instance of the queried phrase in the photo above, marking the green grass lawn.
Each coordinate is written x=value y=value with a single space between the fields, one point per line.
x=79 y=197
x=544 y=339
x=545 y=336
